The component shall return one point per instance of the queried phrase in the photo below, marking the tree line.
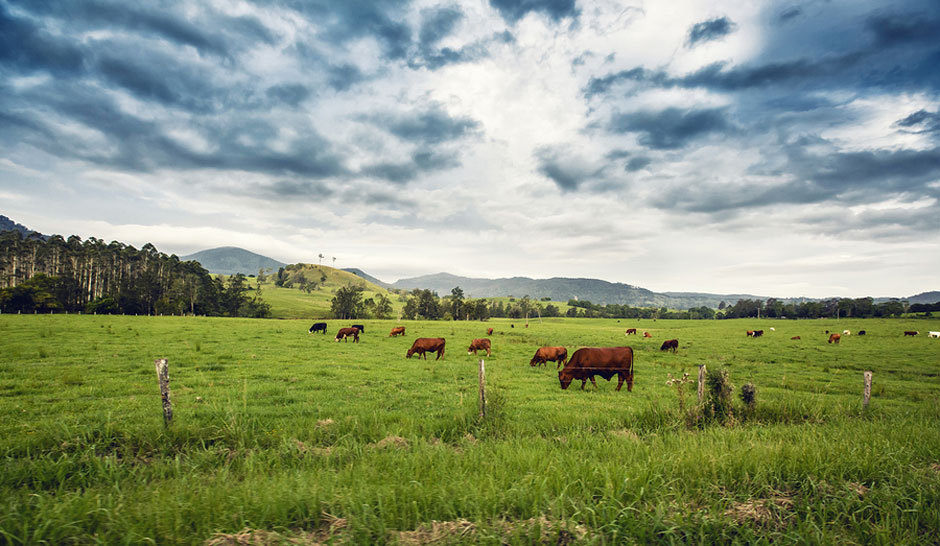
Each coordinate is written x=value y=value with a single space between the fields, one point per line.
x=828 y=308
x=54 y=274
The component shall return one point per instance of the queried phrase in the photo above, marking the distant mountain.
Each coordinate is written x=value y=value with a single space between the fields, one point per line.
x=360 y=273
x=229 y=260
x=925 y=297
x=9 y=225
x=564 y=289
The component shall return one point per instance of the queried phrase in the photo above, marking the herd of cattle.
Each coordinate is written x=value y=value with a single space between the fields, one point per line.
x=585 y=363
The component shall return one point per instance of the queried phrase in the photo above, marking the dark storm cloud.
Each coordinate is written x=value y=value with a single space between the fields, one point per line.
x=848 y=178
x=354 y=19
x=438 y=23
x=818 y=73
x=430 y=126
x=26 y=47
x=671 y=128
x=569 y=172
x=433 y=58
x=306 y=190
x=421 y=162
x=513 y=10
x=788 y=14
x=291 y=94
x=637 y=163
x=921 y=122
x=157 y=21
x=892 y=29
x=140 y=144
x=707 y=31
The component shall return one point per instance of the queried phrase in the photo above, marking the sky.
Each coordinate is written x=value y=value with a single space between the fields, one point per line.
x=775 y=148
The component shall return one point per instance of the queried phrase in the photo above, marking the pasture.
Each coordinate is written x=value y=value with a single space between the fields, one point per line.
x=279 y=435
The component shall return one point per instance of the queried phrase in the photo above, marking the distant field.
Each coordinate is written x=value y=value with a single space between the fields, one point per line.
x=281 y=435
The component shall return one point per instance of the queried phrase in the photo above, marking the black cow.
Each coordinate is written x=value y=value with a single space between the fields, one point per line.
x=362 y=328
x=318 y=327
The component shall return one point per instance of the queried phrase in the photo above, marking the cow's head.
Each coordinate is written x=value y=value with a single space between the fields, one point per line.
x=564 y=378
x=410 y=352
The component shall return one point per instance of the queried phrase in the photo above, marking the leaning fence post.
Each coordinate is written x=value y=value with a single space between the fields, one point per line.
x=482 y=389
x=867 y=389
x=163 y=376
x=701 y=383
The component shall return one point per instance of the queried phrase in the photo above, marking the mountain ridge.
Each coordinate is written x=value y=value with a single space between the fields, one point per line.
x=229 y=260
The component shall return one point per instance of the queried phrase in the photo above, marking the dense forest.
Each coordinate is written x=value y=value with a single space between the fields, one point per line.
x=54 y=274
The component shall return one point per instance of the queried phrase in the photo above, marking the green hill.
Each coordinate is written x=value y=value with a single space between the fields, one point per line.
x=296 y=303
x=228 y=260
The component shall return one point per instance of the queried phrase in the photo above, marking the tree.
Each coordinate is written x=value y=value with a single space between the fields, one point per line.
x=383 y=306
x=456 y=302
x=347 y=302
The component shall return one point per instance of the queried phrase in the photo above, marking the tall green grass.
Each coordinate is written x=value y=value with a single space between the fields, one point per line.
x=288 y=435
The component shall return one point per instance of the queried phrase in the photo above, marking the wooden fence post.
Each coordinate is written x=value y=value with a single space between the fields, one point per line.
x=701 y=383
x=163 y=376
x=867 y=389
x=482 y=390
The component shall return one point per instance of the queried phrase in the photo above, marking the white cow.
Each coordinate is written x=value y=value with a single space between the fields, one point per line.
x=846 y=333
x=933 y=334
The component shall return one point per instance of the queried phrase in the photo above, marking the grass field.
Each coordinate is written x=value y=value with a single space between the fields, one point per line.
x=283 y=436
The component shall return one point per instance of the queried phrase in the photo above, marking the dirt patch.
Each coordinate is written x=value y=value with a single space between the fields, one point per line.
x=322 y=423
x=858 y=488
x=772 y=511
x=461 y=530
x=309 y=450
x=625 y=434
x=331 y=528
x=391 y=441
x=935 y=467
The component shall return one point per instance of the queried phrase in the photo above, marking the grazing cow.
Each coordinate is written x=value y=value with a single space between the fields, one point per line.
x=647 y=334
x=827 y=331
x=846 y=333
x=911 y=333
x=758 y=333
x=424 y=345
x=604 y=361
x=318 y=327
x=834 y=338
x=933 y=334
x=397 y=331
x=346 y=332
x=750 y=333
x=670 y=344
x=631 y=332
x=361 y=327
x=479 y=345
x=861 y=332
x=772 y=329
x=559 y=355
x=795 y=337
x=489 y=331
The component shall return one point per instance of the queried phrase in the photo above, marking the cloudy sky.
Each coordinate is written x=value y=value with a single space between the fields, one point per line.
x=774 y=148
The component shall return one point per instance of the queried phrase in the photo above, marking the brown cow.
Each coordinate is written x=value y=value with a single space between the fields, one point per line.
x=647 y=334
x=911 y=333
x=604 y=361
x=834 y=338
x=559 y=355
x=749 y=333
x=670 y=344
x=489 y=331
x=346 y=332
x=479 y=345
x=795 y=337
x=424 y=345
x=397 y=331
x=630 y=331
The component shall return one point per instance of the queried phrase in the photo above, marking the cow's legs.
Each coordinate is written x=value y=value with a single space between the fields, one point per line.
x=619 y=381
x=593 y=382
x=583 y=383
